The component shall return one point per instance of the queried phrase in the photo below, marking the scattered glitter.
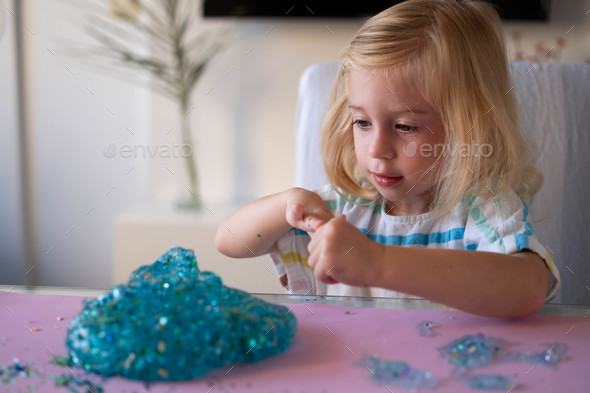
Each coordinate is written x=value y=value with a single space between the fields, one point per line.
x=171 y=321
x=18 y=370
x=36 y=329
x=425 y=328
x=489 y=382
x=75 y=385
x=396 y=373
x=62 y=360
x=10 y=372
x=60 y=318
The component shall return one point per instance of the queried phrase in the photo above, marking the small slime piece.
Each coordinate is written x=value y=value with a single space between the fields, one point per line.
x=171 y=321
x=550 y=357
x=398 y=373
x=489 y=382
x=425 y=328
x=472 y=351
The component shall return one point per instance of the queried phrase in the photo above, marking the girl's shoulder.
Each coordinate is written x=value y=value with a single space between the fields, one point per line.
x=506 y=204
x=492 y=198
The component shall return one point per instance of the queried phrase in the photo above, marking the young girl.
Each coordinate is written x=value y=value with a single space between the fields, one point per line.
x=428 y=174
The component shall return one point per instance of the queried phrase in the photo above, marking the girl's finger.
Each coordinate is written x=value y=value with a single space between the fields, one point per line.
x=294 y=215
x=297 y=211
x=314 y=223
x=324 y=276
x=319 y=223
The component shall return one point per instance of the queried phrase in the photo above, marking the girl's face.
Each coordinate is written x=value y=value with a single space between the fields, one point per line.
x=396 y=133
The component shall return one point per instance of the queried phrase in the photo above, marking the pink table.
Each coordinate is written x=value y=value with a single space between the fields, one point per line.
x=324 y=356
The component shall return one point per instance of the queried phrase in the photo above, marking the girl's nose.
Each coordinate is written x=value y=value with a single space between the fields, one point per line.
x=381 y=145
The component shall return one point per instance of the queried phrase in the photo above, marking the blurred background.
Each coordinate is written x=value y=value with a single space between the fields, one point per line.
x=90 y=165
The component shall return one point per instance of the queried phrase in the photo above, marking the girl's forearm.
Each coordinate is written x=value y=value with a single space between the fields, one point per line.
x=253 y=229
x=484 y=283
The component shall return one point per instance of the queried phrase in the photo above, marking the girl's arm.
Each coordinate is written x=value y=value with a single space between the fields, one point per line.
x=485 y=283
x=478 y=282
x=254 y=229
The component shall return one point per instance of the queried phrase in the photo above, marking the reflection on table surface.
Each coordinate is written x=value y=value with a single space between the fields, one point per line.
x=349 y=301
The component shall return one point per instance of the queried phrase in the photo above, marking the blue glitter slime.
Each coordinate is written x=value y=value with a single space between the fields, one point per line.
x=171 y=321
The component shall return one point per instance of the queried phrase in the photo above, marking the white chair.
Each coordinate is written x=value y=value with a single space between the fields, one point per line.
x=554 y=101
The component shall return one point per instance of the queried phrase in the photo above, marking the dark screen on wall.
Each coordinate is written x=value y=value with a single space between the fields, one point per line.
x=531 y=10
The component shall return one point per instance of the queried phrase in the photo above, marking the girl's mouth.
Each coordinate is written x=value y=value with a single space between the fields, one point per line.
x=386 y=181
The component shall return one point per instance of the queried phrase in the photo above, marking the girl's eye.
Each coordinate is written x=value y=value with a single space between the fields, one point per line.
x=361 y=123
x=406 y=129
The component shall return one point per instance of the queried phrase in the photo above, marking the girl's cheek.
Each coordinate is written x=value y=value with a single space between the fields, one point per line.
x=411 y=149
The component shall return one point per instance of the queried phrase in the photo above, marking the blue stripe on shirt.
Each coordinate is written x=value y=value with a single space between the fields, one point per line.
x=522 y=239
x=421 y=239
x=299 y=232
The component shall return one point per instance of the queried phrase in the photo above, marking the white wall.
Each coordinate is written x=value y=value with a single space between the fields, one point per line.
x=77 y=190
x=243 y=129
x=11 y=228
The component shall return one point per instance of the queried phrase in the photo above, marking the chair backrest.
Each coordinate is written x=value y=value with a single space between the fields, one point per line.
x=554 y=100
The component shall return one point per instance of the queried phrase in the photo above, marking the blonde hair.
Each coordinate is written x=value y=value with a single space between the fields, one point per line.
x=454 y=53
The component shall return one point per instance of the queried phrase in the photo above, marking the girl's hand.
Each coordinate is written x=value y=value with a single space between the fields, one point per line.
x=339 y=252
x=306 y=210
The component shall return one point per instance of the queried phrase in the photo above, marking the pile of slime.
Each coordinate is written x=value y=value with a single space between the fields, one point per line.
x=171 y=321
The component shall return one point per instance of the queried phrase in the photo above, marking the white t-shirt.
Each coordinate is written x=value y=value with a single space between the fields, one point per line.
x=498 y=224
